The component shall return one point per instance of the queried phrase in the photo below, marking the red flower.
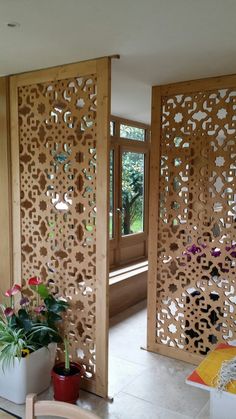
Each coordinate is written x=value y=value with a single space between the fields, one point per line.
x=39 y=309
x=12 y=291
x=35 y=281
x=8 y=312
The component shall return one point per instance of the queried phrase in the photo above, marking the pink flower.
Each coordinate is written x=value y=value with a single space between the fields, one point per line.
x=39 y=309
x=35 y=281
x=8 y=312
x=12 y=291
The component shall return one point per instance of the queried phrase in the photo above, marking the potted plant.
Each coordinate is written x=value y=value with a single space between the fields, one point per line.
x=66 y=377
x=28 y=340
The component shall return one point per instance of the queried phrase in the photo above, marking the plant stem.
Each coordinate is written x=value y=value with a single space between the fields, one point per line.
x=67 y=358
x=37 y=288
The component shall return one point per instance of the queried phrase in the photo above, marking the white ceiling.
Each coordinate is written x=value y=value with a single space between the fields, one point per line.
x=159 y=41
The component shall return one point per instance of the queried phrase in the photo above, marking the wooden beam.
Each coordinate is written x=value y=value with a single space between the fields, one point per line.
x=15 y=170
x=5 y=190
x=60 y=72
x=210 y=83
x=153 y=216
x=102 y=237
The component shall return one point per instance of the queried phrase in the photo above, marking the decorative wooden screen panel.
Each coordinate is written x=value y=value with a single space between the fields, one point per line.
x=193 y=264
x=62 y=159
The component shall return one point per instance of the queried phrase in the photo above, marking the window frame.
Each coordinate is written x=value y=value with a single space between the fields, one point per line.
x=120 y=145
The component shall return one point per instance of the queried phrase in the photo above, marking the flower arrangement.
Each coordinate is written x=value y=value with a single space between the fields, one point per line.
x=26 y=327
x=226 y=374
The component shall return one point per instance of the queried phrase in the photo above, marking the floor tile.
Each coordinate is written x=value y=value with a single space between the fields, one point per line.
x=122 y=372
x=165 y=386
x=89 y=401
x=128 y=332
x=17 y=409
x=205 y=412
x=129 y=407
x=163 y=376
x=86 y=400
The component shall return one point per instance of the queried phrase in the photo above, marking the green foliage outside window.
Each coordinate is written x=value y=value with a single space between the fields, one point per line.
x=132 y=192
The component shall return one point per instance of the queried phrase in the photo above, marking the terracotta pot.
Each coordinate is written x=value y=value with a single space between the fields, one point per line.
x=67 y=385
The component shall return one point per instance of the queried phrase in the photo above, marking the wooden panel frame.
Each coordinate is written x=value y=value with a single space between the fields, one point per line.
x=102 y=68
x=5 y=189
x=207 y=84
x=154 y=174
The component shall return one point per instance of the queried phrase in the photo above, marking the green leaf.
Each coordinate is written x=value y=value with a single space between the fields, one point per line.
x=22 y=314
x=53 y=317
x=42 y=291
x=24 y=320
x=57 y=306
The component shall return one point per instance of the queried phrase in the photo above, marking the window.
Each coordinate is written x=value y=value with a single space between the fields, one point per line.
x=112 y=127
x=132 y=133
x=128 y=221
x=132 y=193
x=111 y=212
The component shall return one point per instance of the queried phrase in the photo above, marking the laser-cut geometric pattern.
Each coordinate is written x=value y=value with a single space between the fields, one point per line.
x=196 y=272
x=57 y=135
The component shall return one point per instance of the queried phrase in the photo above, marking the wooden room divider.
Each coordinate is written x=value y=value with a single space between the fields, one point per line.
x=59 y=140
x=192 y=240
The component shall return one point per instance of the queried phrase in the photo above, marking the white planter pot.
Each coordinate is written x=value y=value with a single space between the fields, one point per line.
x=31 y=374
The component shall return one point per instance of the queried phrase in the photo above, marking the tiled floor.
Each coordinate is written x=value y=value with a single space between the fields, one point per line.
x=144 y=385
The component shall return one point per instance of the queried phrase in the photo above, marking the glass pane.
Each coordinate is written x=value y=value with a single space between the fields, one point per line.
x=132 y=192
x=112 y=127
x=111 y=212
x=132 y=133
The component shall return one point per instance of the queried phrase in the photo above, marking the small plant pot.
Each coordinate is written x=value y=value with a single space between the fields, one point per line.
x=66 y=384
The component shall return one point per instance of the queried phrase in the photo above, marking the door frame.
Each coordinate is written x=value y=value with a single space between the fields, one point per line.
x=119 y=145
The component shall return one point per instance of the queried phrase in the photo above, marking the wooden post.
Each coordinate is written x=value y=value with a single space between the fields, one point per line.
x=15 y=171
x=153 y=216
x=103 y=149
x=5 y=190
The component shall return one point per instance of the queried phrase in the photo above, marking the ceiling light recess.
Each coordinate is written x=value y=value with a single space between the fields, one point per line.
x=13 y=25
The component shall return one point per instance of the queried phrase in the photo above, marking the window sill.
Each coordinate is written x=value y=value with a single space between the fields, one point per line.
x=121 y=274
x=127 y=287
